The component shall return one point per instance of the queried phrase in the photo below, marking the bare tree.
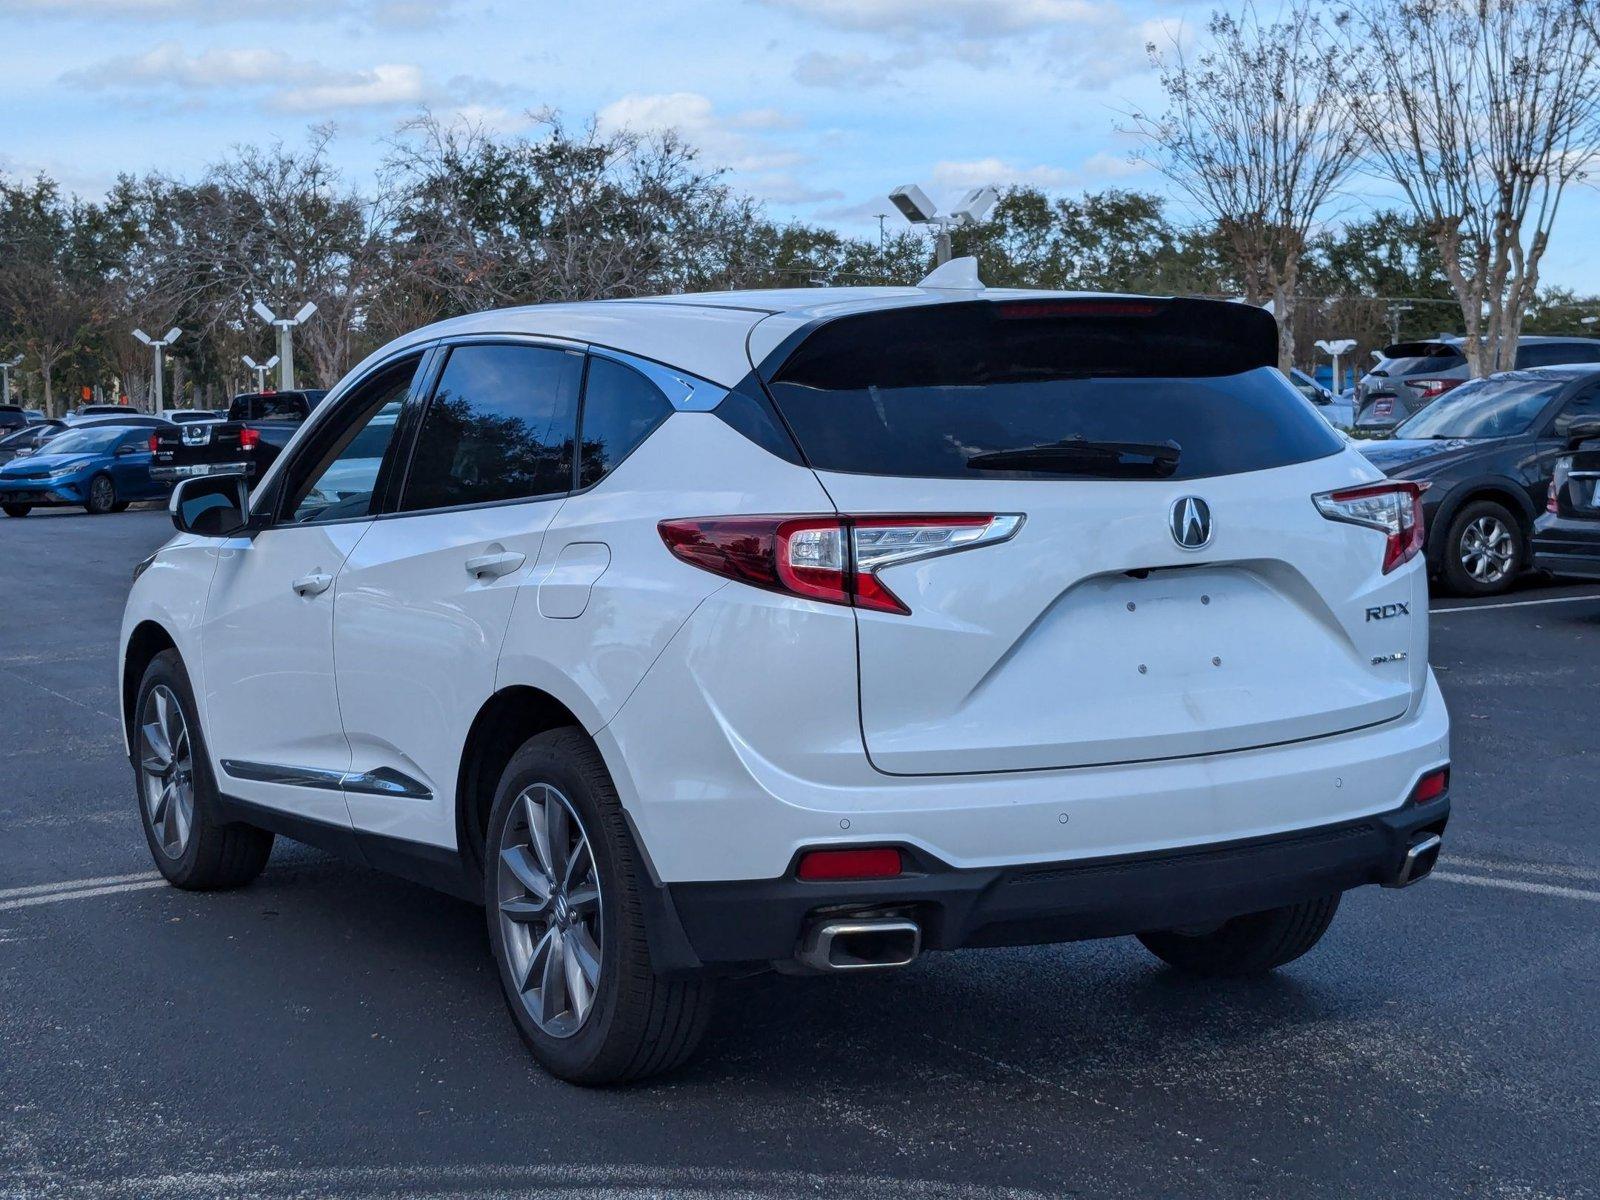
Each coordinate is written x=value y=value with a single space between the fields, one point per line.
x=1258 y=134
x=1482 y=112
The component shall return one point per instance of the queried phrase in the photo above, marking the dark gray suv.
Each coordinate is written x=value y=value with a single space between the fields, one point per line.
x=1409 y=376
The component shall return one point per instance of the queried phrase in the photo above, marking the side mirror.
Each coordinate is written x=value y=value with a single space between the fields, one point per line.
x=211 y=505
x=1582 y=431
x=125 y=451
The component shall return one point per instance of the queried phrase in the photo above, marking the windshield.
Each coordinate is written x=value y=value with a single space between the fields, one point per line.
x=87 y=441
x=20 y=437
x=1484 y=408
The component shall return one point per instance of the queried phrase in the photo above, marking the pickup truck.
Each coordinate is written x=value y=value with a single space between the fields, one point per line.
x=257 y=428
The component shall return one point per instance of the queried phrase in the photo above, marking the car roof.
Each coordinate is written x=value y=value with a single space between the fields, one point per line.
x=715 y=335
x=1566 y=372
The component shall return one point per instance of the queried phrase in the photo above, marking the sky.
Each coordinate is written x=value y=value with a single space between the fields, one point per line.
x=818 y=107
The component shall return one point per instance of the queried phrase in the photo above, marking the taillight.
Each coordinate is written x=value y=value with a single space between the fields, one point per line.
x=878 y=862
x=834 y=559
x=1558 y=480
x=1394 y=509
x=1431 y=786
x=1433 y=388
x=155 y=442
x=249 y=439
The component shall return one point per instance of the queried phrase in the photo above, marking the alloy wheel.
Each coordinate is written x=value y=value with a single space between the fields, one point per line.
x=102 y=493
x=1488 y=549
x=166 y=769
x=549 y=900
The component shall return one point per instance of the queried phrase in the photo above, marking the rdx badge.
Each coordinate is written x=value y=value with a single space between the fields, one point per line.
x=1385 y=611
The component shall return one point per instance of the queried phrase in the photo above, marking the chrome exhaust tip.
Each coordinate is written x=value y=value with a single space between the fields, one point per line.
x=860 y=944
x=1418 y=862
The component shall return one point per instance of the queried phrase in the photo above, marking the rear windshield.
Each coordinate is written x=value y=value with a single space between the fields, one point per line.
x=285 y=406
x=964 y=392
x=1408 y=358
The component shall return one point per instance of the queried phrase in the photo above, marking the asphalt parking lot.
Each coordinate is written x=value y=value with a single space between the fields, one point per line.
x=332 y=1031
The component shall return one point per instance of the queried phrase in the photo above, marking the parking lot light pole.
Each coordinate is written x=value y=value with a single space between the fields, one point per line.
x=1333 y=349
x=915 y=206
x=261 y=370
x=160 y=349
x=5 y=378
x=285 y=327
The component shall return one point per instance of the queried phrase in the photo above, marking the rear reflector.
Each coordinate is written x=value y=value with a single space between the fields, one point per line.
x=1431 y=786
x=1393 y=509
x=834 y=559
x=877 y=863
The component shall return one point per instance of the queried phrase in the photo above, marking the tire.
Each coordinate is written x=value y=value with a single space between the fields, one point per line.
x=202 y=853
x=1249 y=945
x=17 y=510
x=1484 y=550
x=102 y=497
x=636 y=1023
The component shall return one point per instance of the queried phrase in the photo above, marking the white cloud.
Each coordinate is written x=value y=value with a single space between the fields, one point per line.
x=979 y=171
x=169 y=65
x=386 y=85
x=288 y=84
x=731 y=140
x=968 y=18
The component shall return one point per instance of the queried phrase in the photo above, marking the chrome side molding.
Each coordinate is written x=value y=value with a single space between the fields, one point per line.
x=380 y=781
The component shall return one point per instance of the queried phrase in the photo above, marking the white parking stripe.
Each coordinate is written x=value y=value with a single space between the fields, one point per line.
x=74 y=885
x=1518 y=885
x=85 y=894
x=1460 y=608
x=1503 y=866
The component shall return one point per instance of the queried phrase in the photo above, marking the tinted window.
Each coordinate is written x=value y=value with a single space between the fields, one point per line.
x=345 y=477
x=954 y=395
x=500 y=426
x=1553 y=354
x=1503 y=406
x=1585 y=406
x=620 y=408
x=1411 y=358
x=21 y=437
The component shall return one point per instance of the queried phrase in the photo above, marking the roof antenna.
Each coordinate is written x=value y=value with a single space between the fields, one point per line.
x=957 y=275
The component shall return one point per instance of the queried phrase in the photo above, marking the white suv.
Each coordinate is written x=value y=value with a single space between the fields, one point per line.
x=808 y=629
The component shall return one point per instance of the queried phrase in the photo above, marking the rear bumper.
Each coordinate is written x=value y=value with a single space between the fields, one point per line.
x=1567 y=546
x=193 y=470
x=752 y=921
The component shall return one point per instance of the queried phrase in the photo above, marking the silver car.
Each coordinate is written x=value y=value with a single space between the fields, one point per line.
x=1409 y=376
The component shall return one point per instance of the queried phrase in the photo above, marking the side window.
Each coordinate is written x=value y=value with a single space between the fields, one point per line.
x=342 y=480
x=500 y=426
x=1584 y=406
x=620 y=409
x=1554 y=354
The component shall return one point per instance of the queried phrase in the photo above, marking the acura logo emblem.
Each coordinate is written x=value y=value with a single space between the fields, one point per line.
x=1191 y=522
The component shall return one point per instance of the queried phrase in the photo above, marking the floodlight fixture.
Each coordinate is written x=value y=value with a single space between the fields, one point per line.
x=914 y=204
x=976 y=205
x=917 y=208
x=261 y=370
x=285 y=327
x=158 y=399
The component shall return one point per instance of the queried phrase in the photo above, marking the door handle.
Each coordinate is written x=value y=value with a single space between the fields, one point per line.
x=312 y=585
x=492 y=566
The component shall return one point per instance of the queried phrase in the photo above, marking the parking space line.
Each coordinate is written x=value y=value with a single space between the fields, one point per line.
x=84 y=894
x=1518 y=885
x=1507 y=866
x=74 y=885
x=1460 y=608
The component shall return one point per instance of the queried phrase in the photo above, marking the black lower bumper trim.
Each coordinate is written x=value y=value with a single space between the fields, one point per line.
x=747 y=921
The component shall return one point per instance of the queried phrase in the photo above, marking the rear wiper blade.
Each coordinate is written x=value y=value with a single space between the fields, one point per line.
x=1079 y=456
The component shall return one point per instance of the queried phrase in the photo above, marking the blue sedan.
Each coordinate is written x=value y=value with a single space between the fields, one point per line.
x=102 y=468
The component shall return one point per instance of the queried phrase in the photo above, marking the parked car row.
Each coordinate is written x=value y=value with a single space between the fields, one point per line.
x=1409 y=376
